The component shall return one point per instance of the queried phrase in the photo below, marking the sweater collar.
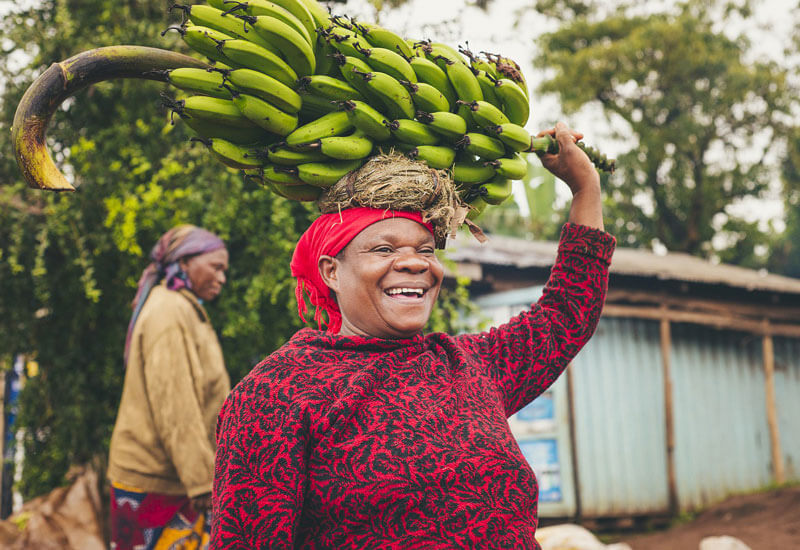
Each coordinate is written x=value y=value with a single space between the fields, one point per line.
x=325 y=340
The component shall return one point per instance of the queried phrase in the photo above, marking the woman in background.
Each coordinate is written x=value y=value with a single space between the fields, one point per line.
x=161 y=460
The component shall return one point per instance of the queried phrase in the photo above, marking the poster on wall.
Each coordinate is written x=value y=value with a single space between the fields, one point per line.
x=542 y=455
x=539 y=415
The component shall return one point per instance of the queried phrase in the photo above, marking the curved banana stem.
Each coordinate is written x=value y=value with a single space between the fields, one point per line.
x=64 y=79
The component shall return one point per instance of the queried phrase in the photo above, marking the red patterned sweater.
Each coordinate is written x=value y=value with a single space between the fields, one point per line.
x=351 y=442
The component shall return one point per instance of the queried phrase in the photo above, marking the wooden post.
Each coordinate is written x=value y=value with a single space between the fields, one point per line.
x=572 y=443
x=666 y=345
x=772 y=410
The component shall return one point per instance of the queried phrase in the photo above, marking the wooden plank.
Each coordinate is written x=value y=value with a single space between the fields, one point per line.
x=573 y=438
x=669 y=415
x=720 y=321
x=759 y=310
x=772 y=409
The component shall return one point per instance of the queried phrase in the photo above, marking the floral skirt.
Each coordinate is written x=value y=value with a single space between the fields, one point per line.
x=152 y=521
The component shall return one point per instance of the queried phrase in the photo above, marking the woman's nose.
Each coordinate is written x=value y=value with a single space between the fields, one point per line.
x=411 y=261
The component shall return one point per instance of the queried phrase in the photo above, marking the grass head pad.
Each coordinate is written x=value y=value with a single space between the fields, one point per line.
x=395 y=182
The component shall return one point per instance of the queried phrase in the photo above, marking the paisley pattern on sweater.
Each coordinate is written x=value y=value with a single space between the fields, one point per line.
x=351 y=442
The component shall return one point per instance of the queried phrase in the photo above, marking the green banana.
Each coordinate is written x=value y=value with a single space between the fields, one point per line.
x=477 y=63
x=413 y=132
x=476 y=208
x=440 y=157
x=273 y=9
x=464 y=82
x=426 y=98
x=351 y=69
x=203 y=40
x=481 y=145
x=514 y=167
x=265 y=114
x=391 y=63
x=485 y=114
x=325 y=174
x=430 y=73
x=367 y=119
x=213 y=109
x=243 y=54
x=302 y=11
x=314 y=107
x=284 y=175
x=305 y=193
x=297 y=51
x=318 y=12
x=346 y=42
x=241 y=134
x=487 y=88
x=514 y=101
x=264 y=86
x=496 y=190
x=470 y=171
x=393 y=95
x=514 y=136
x=231 y=154
x=331 y=124
x=508 y=68
x=448 y=125
x=381 y=37
x=207 y=16
x=439 y=53
x=328 y=87
x=289 y=157
x=352 y=147
x=200 y=81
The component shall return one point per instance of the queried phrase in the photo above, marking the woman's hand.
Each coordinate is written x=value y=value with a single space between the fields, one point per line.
x=202 y=503
x=573 y=167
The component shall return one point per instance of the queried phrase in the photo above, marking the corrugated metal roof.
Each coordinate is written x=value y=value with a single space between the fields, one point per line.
x=508 y=251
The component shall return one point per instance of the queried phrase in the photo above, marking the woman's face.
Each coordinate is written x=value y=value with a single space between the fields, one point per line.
x=386 y=280
x=206 y=272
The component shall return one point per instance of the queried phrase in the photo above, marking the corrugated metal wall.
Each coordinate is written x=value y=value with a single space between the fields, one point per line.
x=722 y=441
x=619 y=420
x=787 y=397
x=721 y=434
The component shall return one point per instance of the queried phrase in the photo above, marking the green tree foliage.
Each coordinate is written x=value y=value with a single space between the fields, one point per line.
x=785 y=251
x=697 y=111
x=69 y=263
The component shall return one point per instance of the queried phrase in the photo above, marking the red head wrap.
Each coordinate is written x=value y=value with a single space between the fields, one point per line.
x=328 y=236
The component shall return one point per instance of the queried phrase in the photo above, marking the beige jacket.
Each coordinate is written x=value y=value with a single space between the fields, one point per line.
x=175 y=384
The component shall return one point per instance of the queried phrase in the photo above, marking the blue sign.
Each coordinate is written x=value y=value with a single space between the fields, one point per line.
x=542 y=455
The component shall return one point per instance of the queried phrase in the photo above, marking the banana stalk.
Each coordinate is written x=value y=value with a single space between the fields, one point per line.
x=66 y=78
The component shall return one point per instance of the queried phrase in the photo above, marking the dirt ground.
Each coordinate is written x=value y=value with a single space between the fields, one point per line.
x=764 y=521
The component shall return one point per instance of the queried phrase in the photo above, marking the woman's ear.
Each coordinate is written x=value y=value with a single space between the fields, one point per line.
x=328 y=270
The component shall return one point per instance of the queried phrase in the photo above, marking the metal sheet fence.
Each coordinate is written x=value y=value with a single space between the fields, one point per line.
x=721 y=433
x=620 y=420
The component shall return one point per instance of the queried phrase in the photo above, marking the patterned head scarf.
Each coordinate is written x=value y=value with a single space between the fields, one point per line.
x=328 y=236
x=179 y=242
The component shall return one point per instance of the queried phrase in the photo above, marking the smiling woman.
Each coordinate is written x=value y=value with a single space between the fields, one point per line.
x=368 y=433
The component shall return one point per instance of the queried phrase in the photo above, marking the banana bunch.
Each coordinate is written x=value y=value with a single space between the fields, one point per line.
x=296 y=98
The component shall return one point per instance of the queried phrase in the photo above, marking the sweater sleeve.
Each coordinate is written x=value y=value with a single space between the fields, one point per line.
x=175 y=406
x=527 y=354
x=260 y=476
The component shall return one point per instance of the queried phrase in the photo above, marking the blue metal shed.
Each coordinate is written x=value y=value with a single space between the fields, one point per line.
x=688 y=391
